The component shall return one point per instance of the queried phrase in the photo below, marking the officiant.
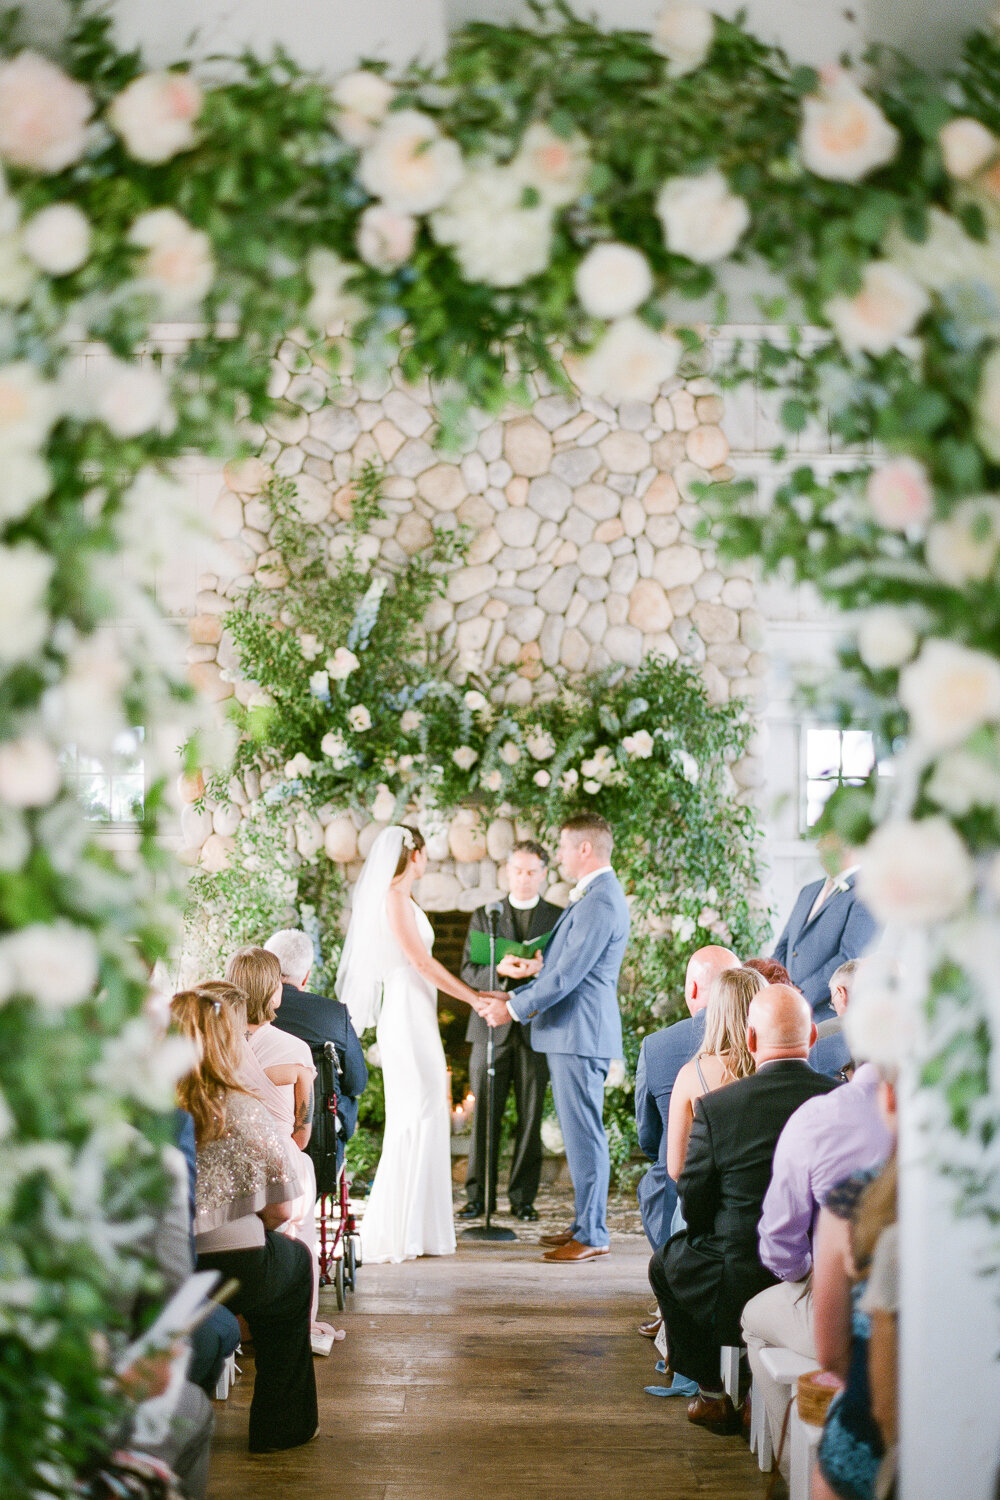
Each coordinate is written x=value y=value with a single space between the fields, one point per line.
x=523 y=927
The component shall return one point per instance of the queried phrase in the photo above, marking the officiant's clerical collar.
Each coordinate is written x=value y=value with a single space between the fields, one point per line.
x=523 y=905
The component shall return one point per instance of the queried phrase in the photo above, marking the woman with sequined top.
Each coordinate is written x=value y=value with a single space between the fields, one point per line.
x=246 y=1186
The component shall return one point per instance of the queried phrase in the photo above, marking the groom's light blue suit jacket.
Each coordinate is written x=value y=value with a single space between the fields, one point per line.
x=572 y=1004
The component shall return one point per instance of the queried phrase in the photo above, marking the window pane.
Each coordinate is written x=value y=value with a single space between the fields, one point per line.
x=126 y=798
x=817 y=795
x=95 y=794
x=822 y=752
x=858 y=753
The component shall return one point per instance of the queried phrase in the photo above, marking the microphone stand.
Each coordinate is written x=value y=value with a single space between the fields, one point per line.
x=495 y=1234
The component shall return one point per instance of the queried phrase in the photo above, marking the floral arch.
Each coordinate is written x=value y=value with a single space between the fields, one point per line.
x=548 y=188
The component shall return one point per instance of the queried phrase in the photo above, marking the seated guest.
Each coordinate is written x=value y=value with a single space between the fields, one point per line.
x=246 y=1184
x=831 y=1053
x=723 y=1058
x=316 y=1019
x=283 y=1081
x=215 y=1339
x=662 y=1055
x=826 y=1140
x=705 y=1275
x=770 y=970
x=850 y=1227
x=827 y=926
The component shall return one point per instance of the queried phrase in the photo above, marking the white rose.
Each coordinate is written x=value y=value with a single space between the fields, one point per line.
x=886 y=638
x=55 y=963
x=475 y=701
x=966 y=147
x=29 y=772
x=592 y=787
x=178 y=265
x=309 y=646
x=362 y=100
x=155 y=115
x=540 y=743
x=987 y=409
x=26 y=480
x=359 y=718
x=689 y=766
x=569 y=779
x=411 y=721
x=612 y=280
x=949 y=691
x=880 y=1022
x=962 y=780
x=330 y=303
x=683 y=32
x=555 y=166
x=335 y=746
x=493 y=780
x=299 y=765
x=28 y=408
x=385 y=237
x=464 y=757
x=900 y=494
x=319 y=684
x=882 y=314
x=541 y=778
x=57 y=238
x=915 y=872
x=25 y=572
x=844 y=134
x=384 y=805
x=630 y=363
x=638 y=745
x=409 y=164
x=702 y=218
x=130 y=399
x=43 y=114
x=495 y=238
x=17 y=274
x=963 y=548
x=341 y=664
x=552 y=1137
x=510 y=753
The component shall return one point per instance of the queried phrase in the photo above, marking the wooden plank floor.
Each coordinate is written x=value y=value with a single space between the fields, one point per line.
x=494 y=1375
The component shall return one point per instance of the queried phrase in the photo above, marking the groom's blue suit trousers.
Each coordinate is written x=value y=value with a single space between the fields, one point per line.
x=578 y=1090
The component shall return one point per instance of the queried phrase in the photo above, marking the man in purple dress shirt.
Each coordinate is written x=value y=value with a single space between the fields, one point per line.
x=827 y=1139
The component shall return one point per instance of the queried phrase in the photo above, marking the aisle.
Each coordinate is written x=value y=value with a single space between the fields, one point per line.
x=491 y=1374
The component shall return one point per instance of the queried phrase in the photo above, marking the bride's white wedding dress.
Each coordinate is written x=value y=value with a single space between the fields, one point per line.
x=409 y=1209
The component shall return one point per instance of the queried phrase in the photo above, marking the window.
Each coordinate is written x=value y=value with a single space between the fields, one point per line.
x=111 y=790
x=833 y=757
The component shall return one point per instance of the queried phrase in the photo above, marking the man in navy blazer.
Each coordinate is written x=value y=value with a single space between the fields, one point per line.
x=572 y=1005
x=828 y=925
x=662 y=1055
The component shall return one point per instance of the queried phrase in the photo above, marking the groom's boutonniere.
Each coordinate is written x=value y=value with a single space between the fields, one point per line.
x=577 y=892
x=841 y=884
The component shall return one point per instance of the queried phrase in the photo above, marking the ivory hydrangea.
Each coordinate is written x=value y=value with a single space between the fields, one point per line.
x=57 y=238
x=495 y=236
x=702 y=217
x=409 y=164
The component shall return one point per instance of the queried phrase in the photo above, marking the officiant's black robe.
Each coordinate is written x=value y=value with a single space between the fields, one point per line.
x=515 y=1064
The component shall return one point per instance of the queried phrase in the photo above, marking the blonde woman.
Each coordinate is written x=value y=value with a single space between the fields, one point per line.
x=244 y=1187
x=723 y=1058
x=286 y=1063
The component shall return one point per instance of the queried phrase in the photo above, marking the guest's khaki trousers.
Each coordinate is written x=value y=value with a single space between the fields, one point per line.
x=780 y=1316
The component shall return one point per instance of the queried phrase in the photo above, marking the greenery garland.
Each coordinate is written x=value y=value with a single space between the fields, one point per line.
x=542 y=187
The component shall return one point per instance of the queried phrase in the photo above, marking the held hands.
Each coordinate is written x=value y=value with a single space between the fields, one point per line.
x=512 y=967
x=494 y=1007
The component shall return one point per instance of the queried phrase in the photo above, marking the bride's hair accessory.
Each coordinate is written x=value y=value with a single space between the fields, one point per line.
x=408 y=842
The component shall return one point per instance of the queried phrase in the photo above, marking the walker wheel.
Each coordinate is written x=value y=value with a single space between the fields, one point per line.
x=338 y=1282
x=350 y=1263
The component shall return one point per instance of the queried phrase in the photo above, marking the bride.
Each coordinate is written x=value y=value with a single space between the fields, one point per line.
x=387 y=975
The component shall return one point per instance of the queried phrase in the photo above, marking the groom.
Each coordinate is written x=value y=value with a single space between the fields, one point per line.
x=572 y=1005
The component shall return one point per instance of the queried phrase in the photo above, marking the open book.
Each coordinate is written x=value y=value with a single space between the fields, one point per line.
x=479 y=947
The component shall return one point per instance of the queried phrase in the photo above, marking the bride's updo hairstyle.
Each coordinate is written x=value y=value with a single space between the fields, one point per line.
x=258 y=974
x=413 y=840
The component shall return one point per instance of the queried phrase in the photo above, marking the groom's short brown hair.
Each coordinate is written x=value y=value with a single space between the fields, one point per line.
x=593 y=827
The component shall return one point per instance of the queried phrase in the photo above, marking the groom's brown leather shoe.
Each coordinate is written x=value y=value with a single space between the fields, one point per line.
x=716 y=1413
x=563 y=1237
x=574 y=1250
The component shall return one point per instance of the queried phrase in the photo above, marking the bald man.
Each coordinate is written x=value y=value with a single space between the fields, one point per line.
x=661 y=1057
x=704 y=1275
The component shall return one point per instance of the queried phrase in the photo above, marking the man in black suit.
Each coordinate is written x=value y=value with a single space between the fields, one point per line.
x=316 y=1019
x=703 y=1276
x=523 y=918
